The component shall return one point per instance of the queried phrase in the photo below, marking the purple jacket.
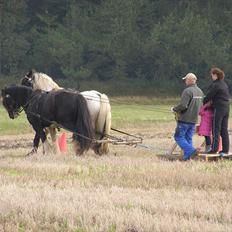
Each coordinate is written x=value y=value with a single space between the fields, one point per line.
x=205 y=127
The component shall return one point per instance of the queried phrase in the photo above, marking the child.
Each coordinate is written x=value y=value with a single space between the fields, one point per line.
x=205 y=128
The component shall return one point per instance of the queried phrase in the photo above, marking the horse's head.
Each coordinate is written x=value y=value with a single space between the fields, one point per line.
x=11 y=105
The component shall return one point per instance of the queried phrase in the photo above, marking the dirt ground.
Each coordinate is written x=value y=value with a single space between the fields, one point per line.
x=148 y=134
x=156 y=139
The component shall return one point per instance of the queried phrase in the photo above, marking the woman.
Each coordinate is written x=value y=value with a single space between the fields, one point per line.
x=218 y=93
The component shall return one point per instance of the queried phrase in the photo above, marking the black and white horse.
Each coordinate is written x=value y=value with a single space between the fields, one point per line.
x=43 y=109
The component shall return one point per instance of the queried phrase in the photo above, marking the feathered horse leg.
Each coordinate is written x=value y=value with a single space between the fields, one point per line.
x=47 y=149
x=55 y=148
x=35 y=145
x=103 y=124
x=40 y=134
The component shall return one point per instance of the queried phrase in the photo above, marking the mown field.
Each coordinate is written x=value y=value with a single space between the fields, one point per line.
x=129 y=190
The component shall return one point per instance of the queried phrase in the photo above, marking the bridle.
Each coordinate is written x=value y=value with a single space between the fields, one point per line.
x=14 y=108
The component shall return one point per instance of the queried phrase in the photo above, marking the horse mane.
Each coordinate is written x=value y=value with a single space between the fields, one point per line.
x=17 y=88
x=44 y=82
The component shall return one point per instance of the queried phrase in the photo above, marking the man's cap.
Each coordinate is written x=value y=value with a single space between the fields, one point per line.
x=190 y=76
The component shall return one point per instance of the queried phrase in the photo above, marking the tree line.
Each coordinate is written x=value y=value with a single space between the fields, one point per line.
x=154 y=40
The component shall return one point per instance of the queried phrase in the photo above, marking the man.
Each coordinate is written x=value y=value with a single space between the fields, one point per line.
x=187 y=114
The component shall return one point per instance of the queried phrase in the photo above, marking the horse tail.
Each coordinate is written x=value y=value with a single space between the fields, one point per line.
x=103 y=124
x=84 y=126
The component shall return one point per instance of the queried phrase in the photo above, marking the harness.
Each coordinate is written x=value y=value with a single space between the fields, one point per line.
x=26 y=104
x=41 y=118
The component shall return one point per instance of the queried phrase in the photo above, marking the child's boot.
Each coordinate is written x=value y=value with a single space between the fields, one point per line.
x=207 y=148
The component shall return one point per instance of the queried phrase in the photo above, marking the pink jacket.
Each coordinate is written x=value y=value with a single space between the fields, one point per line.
x=205 y=127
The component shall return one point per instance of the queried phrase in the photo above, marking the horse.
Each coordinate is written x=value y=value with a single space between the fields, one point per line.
x=98 y=105
x=44 y=109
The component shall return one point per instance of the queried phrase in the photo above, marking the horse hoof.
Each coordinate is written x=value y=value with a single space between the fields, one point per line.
x=32 y=152
x=79 y=153
x=98 y=152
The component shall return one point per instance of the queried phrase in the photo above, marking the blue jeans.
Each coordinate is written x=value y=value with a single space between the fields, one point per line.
x=183 y=136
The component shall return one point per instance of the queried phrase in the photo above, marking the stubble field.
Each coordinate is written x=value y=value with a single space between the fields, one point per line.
x=130 y=190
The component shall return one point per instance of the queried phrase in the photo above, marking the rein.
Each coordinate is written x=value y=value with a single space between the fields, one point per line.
x=59 y=125
x=49 y=121
x=24 y=106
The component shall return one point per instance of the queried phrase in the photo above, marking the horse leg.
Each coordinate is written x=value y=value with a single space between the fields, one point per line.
x=43 y=137
x=103 y=125
x=97 y=149
x=46 y=145
x=35 y=144
x=76 y=146
x=53 y=134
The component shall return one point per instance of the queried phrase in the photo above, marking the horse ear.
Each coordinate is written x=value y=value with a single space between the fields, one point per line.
x=30 y=73
x=3 y=92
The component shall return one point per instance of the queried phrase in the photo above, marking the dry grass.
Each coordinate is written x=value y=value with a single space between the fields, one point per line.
x=131 y=190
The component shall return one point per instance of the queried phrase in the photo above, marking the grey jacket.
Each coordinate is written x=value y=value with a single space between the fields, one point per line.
x=190 y=103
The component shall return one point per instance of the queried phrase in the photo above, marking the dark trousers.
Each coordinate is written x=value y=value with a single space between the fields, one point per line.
x=220 y=128
x=207 y=140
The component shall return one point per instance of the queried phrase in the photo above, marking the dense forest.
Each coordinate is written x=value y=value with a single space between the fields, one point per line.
x=152 y=41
